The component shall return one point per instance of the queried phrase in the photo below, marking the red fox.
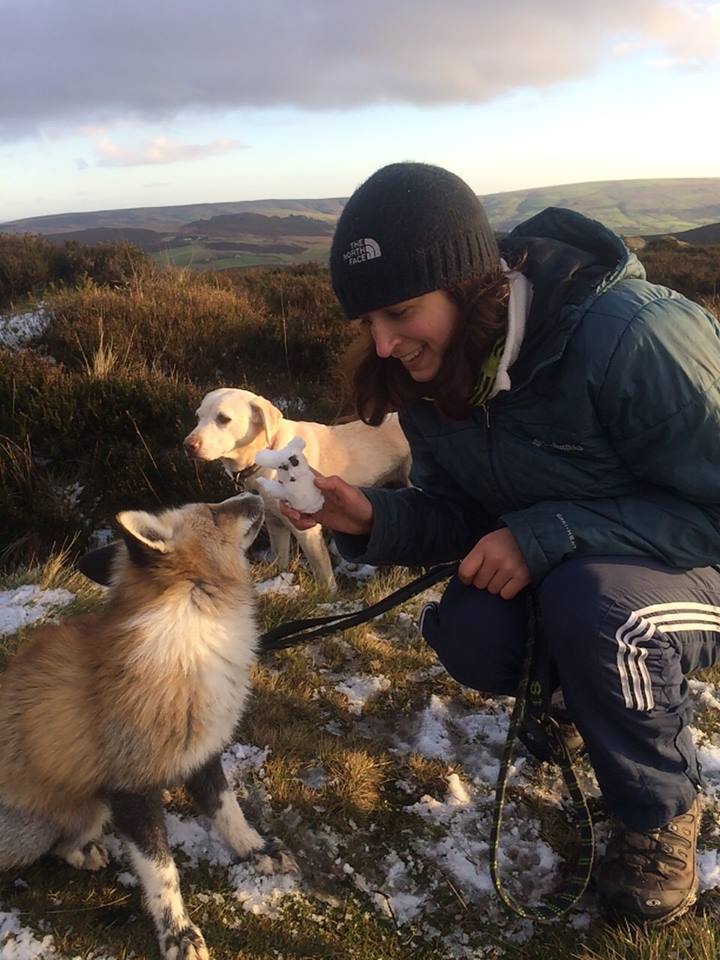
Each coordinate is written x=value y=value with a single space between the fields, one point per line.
x=99 y=713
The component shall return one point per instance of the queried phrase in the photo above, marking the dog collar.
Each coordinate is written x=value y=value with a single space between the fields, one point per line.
x=240 y=477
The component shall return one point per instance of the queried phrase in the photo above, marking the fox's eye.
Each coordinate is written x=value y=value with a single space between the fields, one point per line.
x=222 y=419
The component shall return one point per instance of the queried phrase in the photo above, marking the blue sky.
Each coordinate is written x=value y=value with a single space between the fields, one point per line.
x=167 y=102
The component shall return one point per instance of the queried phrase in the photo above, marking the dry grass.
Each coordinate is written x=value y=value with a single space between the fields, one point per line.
x=359 y=798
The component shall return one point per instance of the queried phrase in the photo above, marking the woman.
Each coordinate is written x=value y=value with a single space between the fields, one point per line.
x=563 y=416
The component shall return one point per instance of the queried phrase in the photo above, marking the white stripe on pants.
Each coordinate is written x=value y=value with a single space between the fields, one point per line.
x=640 y=627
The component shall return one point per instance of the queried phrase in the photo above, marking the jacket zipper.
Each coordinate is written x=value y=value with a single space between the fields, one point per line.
x=502 y=488
x=488 y=440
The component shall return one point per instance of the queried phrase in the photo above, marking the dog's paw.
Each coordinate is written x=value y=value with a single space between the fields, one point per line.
x=93 y=856
x=274 y=857
x=187 y=943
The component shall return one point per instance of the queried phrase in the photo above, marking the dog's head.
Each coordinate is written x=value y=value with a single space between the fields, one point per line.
x=232 y=425
x=200 y=543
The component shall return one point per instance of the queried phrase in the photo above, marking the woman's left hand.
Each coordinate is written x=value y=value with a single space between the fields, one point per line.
x=496 y=564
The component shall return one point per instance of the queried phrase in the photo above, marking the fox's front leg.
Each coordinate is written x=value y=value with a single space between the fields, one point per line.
x=140 y=819
x=211 y=791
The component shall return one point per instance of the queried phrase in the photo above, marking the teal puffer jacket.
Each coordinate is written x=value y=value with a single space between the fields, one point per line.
x=608 y=442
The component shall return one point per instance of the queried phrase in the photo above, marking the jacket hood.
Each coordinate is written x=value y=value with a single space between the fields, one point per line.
x=570 y=261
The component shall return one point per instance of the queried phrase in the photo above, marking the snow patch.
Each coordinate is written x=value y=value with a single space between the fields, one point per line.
x=25 y=605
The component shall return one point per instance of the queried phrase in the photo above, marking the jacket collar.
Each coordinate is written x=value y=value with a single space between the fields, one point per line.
x=570 y=261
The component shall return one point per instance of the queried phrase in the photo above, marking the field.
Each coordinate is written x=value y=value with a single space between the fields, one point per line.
x=373 y=765
x=199 y=256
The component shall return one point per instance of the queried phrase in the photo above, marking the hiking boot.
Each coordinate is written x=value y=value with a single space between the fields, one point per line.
x=651 y=876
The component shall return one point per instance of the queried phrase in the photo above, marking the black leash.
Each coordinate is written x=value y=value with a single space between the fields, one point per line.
x=298 y=631
x=531 y=714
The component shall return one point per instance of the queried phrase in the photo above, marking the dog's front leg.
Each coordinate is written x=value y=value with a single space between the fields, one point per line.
x=140 y=819
x=312 y=544
x=279 y=540
x=211 y=791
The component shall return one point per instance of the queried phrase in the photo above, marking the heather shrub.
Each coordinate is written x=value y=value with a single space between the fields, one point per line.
x=692 y=270
x=30 y=265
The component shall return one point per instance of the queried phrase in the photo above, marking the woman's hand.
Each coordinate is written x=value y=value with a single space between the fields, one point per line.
x=496 y=564
x=346 y=508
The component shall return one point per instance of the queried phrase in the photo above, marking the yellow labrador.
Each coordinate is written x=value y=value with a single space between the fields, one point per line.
x=233 y=425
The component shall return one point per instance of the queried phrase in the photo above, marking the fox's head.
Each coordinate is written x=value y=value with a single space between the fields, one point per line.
x=202 y=543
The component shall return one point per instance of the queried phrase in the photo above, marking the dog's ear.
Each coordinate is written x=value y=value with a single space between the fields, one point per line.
x=145 y=535
x=264 y=412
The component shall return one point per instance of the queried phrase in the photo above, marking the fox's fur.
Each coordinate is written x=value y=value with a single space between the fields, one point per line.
x=102 y=711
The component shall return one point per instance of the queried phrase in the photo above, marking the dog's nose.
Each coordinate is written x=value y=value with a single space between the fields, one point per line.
x=191 y=444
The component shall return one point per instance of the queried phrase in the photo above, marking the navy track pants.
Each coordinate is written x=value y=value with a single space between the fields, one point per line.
x=623 y=634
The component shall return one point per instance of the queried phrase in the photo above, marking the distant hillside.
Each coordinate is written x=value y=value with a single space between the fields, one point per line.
x=255 y=224
x=707 y=235
x=252 y=232
x=630 y=207
x=171 y=218
x=148 y=240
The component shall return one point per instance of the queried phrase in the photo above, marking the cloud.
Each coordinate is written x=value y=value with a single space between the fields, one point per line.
x=81 y=164
x=689 y=31
x=159 y=150
x=76 y=62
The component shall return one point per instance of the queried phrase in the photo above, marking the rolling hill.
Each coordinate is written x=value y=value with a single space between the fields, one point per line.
x=250 y=232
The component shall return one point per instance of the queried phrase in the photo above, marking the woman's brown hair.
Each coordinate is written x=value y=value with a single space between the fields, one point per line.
x=382 y=384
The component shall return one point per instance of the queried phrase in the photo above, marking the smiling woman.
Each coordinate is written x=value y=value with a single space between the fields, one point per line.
x=416 y=332
x=545 y=458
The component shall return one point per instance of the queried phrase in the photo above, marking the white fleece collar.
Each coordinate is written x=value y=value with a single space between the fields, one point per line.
x=521 y=292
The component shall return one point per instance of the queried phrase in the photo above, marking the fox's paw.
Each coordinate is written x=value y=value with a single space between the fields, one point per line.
x=274 y=857
x=93 y=856
x=184 y=944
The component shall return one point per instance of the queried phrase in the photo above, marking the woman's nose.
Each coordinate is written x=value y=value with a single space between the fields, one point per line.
x=385 y=339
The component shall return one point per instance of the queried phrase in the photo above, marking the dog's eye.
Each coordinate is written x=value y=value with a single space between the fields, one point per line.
x=222 y=419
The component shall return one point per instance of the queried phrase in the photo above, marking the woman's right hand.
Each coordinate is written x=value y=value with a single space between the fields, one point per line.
x=346 y=508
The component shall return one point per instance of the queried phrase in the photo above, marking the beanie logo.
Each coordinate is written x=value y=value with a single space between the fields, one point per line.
x=361 y=250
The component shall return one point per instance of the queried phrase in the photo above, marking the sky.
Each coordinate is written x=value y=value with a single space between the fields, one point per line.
x=134 y=104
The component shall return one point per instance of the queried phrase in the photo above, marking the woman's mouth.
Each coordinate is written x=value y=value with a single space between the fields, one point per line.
x=410 y=358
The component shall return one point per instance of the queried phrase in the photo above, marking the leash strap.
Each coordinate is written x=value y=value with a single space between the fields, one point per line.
x=532 y=702
x=299 y=631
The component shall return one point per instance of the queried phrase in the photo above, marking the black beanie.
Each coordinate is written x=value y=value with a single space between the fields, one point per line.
x=409 y=229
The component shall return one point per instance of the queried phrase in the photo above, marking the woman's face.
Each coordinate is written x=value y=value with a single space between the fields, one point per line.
x=416 y=332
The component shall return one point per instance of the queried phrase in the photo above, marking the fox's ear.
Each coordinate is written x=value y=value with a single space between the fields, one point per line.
x=144 y=533
x=245 y=508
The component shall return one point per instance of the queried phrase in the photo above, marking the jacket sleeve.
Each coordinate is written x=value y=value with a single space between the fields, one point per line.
x=432 y=521
x=660 y=403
